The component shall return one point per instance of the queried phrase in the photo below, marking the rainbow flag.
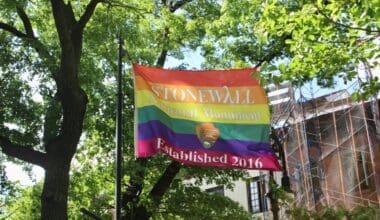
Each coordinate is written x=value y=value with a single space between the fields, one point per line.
x=216 y=118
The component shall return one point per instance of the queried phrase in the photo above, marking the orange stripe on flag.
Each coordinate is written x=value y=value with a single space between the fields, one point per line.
x=212 y=95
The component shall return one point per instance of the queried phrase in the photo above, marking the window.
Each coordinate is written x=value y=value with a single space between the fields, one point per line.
x=216 y=190
x=364 y=168
x=256 y=195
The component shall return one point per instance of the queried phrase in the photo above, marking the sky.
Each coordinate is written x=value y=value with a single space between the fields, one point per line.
x=16 y=173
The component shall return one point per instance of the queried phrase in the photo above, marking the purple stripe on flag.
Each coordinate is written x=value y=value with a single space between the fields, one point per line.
x=156 y=129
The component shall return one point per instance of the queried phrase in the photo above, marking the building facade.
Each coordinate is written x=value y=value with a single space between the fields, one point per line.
x=331 y=147
x=332 y=151
x=251 y=194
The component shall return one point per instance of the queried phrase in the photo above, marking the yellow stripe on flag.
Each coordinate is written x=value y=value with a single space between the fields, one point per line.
x=223 y=113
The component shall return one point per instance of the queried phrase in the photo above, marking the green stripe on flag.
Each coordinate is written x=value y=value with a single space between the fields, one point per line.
x=257 y=132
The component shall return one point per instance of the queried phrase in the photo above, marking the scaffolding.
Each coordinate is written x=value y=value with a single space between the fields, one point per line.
x=331 y=145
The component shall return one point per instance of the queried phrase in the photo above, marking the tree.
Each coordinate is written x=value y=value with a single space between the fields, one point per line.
x=298 y=40
x=64 y=114
x=7 y=190
x=48 y=44
x=24 y=204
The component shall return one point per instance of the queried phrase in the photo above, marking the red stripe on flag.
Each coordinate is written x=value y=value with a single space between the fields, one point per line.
x=207 y=157
x=210 y=78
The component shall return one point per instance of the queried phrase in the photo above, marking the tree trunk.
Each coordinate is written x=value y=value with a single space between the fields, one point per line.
x=275 y=208
x=60 y=149
x=140 y=213
x=55 y=190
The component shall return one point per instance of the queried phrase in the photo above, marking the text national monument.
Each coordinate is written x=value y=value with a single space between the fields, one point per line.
x=217 y=118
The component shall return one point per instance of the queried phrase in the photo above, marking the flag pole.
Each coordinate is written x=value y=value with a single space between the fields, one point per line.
x=119 y=140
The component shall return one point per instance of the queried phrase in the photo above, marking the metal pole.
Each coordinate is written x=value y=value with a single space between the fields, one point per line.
x=119 y=141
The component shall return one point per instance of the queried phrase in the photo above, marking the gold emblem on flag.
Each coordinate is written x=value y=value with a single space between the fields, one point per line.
x=208 y=134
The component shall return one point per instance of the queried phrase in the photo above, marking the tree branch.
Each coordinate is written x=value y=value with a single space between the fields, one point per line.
x=173 y=6
x=90 y=8
x=285 y=184
x=26 y=21
x=266 y=59
x=163 y=184
x=64 y=19
x=89 y=214
x=343 y=25
x=162 y=57
x=136 y=183
x=138 y=10
x=24 y=153
x=12 y=30
x=30 y=38
x=269 y=57
x=274 y=52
